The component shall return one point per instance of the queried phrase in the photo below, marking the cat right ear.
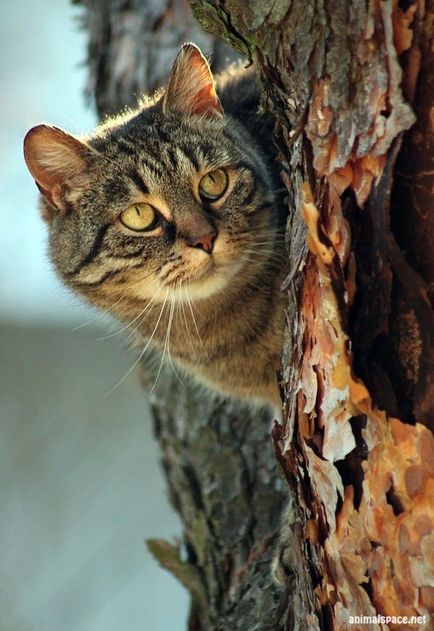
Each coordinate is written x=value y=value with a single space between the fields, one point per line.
x=191 y=87
x=53 y=157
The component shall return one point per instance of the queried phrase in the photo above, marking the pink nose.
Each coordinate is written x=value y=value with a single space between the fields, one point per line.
x=203 y=241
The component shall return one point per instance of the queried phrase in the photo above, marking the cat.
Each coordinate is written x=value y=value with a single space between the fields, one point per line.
x=171 y=217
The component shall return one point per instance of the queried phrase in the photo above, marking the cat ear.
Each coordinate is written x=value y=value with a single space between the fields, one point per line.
x=53 y=157
x=191 y=88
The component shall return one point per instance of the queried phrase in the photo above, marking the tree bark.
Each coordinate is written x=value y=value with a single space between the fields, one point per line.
x=346 y=80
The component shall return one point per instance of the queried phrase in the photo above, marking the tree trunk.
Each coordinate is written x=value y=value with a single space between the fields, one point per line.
x=345 y=80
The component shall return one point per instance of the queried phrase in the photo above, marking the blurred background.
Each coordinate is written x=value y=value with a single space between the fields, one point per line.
x=80 y=483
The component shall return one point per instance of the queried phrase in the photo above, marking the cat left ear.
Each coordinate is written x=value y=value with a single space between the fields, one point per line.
x=53 y=157
x=191 y=87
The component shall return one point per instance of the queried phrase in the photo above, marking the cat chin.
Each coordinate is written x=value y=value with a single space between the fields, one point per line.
x=200 y=290
x=196 y=287
x=207 y=284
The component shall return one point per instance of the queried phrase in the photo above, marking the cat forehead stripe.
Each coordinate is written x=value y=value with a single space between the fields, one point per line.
x=138 y=181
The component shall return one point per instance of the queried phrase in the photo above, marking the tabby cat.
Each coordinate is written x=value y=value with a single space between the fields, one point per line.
x=170 y=218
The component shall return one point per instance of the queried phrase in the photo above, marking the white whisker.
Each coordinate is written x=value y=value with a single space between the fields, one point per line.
x=193 y=317
x=143 y=313
x=182 y=310
x=167 y=349
x=143 y=351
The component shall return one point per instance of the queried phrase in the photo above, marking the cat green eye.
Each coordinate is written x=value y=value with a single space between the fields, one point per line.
x=213 y=185
x=139 y=217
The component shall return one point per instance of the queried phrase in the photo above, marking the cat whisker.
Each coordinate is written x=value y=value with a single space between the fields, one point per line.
x=251 y=257
x=163 y=355
x=260 y=247
x=193 y=317
x=267 y=246
x=264 y=247
x=166 y=348
x=270 y=254
x=143 y=313
x=263 y=250
x=275 y=241
x=253 y=243
x=111 y=309
x=169 y=329
x=187 y=328
x=97 y=316
x=261 y=229
x=143 y=351
x=271 y=237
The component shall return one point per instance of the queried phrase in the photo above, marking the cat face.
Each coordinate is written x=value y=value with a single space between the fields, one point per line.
x=169 y=198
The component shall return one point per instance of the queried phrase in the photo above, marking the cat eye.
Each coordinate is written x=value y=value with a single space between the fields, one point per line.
x=139 y=217
x=213 y=185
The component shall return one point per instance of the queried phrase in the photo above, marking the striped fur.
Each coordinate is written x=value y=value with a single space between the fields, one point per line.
x=219 y=315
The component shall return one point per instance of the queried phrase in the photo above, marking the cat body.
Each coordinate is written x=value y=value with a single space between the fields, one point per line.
x=170 y=218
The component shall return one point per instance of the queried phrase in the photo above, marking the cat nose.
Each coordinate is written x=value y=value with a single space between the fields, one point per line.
x=203 y=241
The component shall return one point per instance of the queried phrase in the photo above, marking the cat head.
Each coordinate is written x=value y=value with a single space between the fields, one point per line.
x=171 y=196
